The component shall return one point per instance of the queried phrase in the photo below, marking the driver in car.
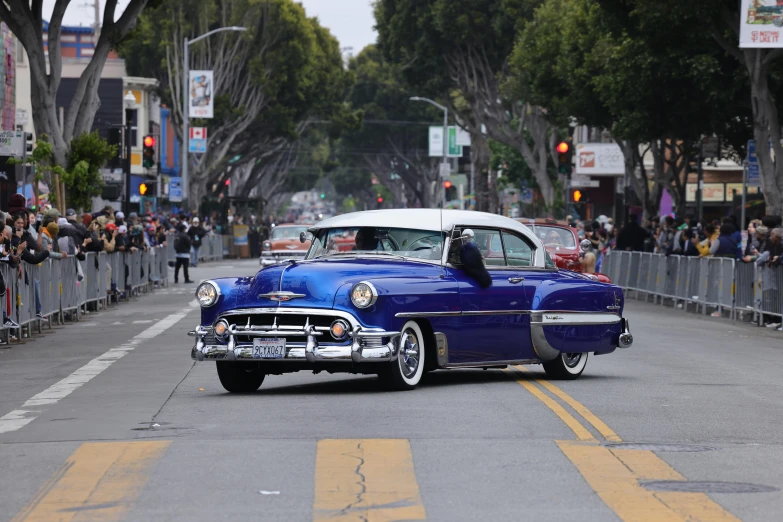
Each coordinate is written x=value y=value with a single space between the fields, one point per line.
x=553 y=238
x=366 y=239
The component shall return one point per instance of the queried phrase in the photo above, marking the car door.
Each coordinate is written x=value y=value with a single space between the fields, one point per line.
x=520 y=255
x=492 y=318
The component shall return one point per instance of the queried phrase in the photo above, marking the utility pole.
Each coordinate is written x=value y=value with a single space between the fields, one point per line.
x=444 y=165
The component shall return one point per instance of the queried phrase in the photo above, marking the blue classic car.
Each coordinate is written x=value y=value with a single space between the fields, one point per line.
x=422 y=290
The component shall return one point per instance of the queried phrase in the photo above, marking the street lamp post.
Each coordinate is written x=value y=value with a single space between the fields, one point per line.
x=444 y=168
x=185 y=97
x=129 y=100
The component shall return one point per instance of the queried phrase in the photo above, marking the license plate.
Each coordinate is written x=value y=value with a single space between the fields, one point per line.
x=269 y=348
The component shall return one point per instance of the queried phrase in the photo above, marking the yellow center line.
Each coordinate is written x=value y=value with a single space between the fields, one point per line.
x=370 y=480
x=579 y=430
x=615 y=473
x=605 y=431
x=99 y=481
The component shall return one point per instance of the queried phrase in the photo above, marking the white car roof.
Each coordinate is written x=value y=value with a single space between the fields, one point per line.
x=430 y=219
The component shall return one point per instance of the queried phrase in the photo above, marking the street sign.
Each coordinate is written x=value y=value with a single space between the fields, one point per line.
x=436 y=143
x=584 y=183
x=463 y=137
x=710 y=147
x=754 y=175
x=752 y=158
x=445 y=170
x=175 y=189
x=198 y=140
x=12 y=143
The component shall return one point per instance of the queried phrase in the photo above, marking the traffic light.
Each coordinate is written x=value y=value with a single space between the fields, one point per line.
x=28 y=143
x=143 y=189
x=447 y=184
x=576 y=196
x=323 y=196
x=228 y=182
x=564 y=154
x=148 y=154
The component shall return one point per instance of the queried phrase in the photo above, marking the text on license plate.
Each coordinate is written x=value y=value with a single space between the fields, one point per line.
x=271 y=348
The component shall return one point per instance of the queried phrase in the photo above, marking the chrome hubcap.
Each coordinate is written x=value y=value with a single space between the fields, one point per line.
x=409 y=353
x=572 y=359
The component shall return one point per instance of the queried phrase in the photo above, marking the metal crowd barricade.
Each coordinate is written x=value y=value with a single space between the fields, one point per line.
x=669 y=273
x=69 y=295
x=744 y=286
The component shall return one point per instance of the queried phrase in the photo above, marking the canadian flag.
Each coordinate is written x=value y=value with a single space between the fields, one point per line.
x=198 y=133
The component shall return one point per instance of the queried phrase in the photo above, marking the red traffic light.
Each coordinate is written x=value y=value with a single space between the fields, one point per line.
x=149 y=141
x=562 y=147
x=447 y=184
x=380 y=199
x=228 y=182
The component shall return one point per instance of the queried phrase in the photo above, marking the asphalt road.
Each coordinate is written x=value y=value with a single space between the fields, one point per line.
x=109 y=419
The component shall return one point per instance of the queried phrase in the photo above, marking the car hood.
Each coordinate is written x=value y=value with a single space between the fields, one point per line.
x=291 y=245
x=317 y=283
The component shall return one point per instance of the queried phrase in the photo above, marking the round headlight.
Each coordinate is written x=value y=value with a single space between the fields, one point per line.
x=363 y=295
x=207 y=294
x=221 y=328
x=266 y=245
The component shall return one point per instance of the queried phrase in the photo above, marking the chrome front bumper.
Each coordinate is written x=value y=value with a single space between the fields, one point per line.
x=363 y=344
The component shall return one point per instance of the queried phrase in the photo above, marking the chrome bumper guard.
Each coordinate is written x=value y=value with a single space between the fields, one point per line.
x=359 y=350
x=626 y=339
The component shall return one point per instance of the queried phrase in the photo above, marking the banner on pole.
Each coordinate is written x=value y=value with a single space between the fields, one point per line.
x=198 y=140
x=200 y=93
x=761 y=24
x=436 y=142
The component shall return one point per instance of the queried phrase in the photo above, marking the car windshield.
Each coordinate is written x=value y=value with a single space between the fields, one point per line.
x=554 y=236
x=287 y=232
x=420 y=244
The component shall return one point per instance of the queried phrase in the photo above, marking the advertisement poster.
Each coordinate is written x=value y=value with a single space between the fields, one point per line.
x=761 y=24
x=597 y=159
x=201 y=92
x=240 y=235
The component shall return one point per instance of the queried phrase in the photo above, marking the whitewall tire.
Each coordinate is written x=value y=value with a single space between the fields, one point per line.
x=406 y=372
x=567 y=366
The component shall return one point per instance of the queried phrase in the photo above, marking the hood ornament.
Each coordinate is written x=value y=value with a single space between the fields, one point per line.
x=281 y=297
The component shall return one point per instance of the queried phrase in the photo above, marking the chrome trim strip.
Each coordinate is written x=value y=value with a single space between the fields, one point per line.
x=404 y=315
x=294 y=311
x=490 y=364
x=497 y=312
x=573 y=319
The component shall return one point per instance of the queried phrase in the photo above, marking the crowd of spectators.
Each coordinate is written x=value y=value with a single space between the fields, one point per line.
x=31 y=237
x=687 y=236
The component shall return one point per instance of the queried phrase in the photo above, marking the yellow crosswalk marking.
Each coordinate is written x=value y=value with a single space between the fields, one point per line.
x=370 y=480
x=99 y=481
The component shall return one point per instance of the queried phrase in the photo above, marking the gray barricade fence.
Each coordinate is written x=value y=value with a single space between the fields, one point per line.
x=707 y=283
x=60 y=289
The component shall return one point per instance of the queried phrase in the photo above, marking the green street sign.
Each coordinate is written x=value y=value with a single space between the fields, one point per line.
x=455 y=151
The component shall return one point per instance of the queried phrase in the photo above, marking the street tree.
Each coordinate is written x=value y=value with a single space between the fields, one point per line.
x=460 y=48
x=578 y=59
x=25 y=19
x=82 y=178
x=268 y=80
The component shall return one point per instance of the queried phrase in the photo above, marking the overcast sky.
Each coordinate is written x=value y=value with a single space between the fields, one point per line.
x=351 y=21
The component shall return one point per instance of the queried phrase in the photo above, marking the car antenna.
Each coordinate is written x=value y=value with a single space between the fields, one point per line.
x=444 y=242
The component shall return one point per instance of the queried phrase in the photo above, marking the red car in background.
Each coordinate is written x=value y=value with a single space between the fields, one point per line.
x=562 y=243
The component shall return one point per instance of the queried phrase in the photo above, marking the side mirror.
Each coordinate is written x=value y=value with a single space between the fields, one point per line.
x=303 y=237
x=586 y=244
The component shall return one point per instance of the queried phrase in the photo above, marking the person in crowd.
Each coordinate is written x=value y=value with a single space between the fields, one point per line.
x=691 y=241
x=196 y=233
x=753 y=240
x=50 y=243
x=632 y=236
x=9 y=257
x=726 y=245
x=119 y=218
x=666 y=237
x=182 y=249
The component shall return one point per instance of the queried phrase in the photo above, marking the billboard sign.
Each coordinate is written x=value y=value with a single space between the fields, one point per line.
x=200 y=93
x=599 y=159
x=761 y=24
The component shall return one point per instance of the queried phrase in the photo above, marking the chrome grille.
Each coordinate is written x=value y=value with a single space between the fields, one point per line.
x=270 y=321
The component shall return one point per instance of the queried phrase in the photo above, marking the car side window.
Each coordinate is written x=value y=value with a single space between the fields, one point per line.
x=518 y=251
x=490 y=245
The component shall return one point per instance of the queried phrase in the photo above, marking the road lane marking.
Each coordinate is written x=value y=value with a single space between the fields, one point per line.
x=614 y=473
x=579 y=430
x=605 y=431
x=369 y=480
x=30 y=410
x=99 y=481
